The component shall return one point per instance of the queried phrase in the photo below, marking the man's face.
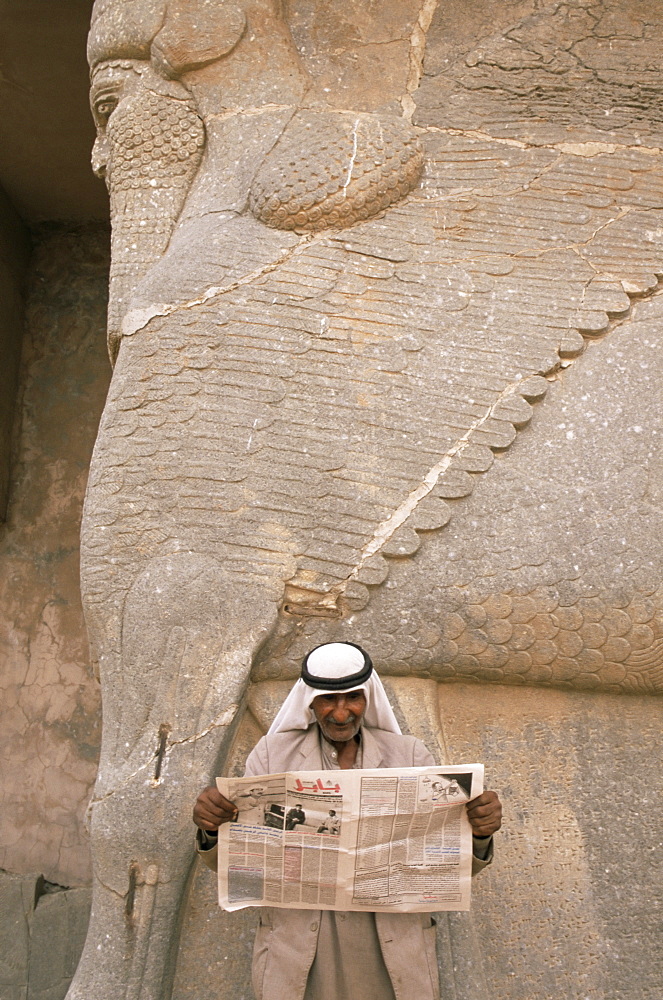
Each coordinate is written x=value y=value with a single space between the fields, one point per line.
x=339 y=715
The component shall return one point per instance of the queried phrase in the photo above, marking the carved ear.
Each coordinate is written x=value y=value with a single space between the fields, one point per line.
x=195 y=33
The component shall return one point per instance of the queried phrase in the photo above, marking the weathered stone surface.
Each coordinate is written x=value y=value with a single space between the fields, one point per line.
x=327 y=419
x=576 y=857
x=42 y=930
x=545 y=72
x=348 y=167
x=550 y=572
x=57 y=934
x=215 y=946
x=17 y=896
x=49 y=706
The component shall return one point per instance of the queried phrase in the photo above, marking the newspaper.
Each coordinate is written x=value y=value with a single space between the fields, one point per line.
x=387 y=839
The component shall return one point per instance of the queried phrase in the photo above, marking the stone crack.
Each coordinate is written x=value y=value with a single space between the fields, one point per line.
x=416 y=55
x=222 y=721
x=387 y=528
x=614 y=323
x=585 y=149
x=491 y=192
x=221 y=116
x=137 y=319
x=353 y=157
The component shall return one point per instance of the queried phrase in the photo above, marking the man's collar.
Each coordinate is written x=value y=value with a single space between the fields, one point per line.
x=310 y=750
x=311 y=753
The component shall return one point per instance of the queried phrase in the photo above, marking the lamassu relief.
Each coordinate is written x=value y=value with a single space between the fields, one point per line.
x=385 y=323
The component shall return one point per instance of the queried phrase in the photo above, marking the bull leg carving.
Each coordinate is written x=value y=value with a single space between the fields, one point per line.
x=172 y=691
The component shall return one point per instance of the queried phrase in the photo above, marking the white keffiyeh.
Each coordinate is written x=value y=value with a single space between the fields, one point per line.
x=335 y=661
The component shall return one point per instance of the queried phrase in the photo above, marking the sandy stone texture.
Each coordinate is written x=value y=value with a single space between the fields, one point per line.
x=42 y=930
x=384 y=372
x=575 y=871
x=50 y=701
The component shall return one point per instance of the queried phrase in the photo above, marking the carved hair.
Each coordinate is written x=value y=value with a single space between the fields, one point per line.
x=176 y=35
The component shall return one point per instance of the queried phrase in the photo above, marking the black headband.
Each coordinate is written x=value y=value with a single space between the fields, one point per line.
x=338 y=683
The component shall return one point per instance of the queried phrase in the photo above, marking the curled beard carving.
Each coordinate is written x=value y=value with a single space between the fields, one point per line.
x=157 y=144
x=331 y=170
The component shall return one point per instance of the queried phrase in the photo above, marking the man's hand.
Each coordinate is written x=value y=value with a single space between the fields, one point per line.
x=212 y=809
x=485 y=814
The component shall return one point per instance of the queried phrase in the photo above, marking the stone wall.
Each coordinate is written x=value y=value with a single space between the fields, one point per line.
x=50 y=703
x=41 y=935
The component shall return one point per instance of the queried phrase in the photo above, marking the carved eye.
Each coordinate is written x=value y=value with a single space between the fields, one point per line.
x=104 y=108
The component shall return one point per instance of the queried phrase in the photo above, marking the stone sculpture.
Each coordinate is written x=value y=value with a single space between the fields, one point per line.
x=328 y=312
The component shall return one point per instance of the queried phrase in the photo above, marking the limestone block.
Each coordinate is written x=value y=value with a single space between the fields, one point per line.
x=215 y=946
x=50 y=702
x=57 y=934
x=42 y=931
x=575 y=870
x=17 y=899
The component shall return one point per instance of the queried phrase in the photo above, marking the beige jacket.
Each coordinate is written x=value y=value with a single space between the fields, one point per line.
x=286 y=940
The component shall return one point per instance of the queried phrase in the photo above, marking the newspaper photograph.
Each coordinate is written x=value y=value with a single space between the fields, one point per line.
x=388 y=839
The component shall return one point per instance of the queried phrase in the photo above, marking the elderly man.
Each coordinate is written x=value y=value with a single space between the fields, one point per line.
x=338 y=716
